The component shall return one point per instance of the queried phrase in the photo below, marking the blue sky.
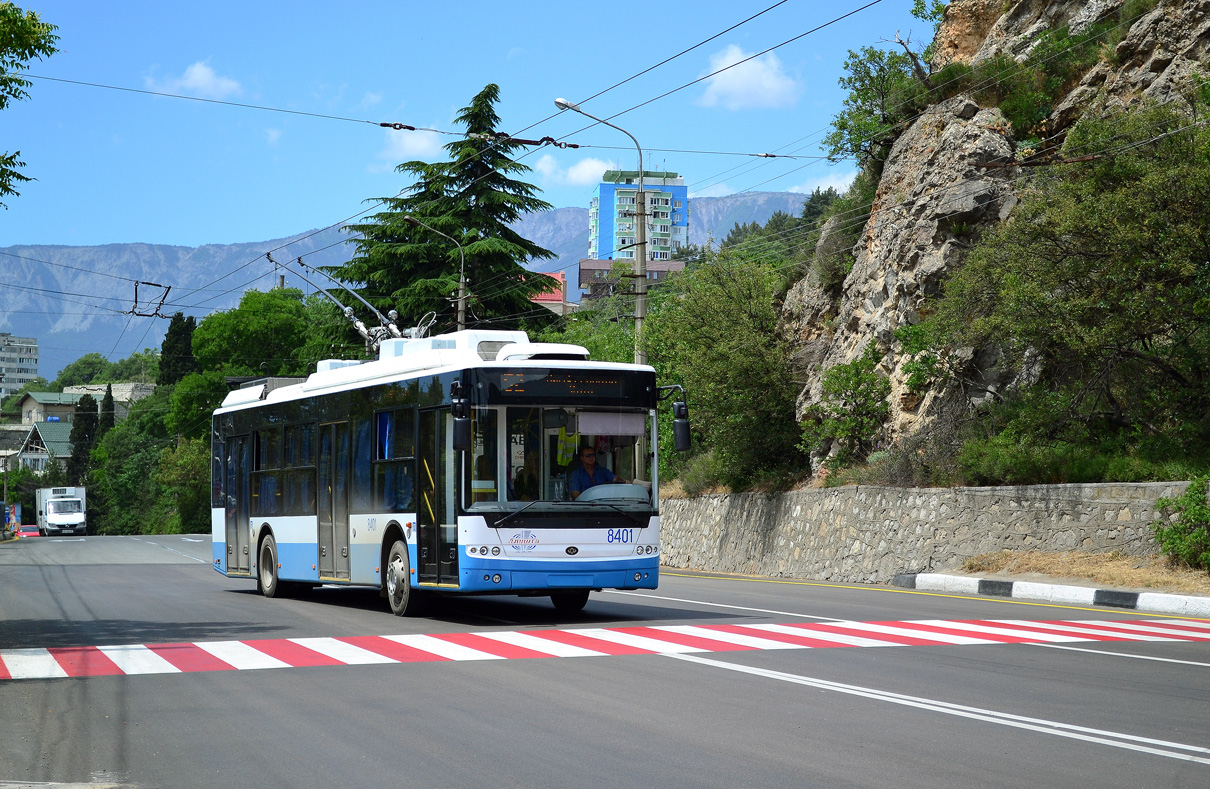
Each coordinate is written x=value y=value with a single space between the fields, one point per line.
x=118 y=167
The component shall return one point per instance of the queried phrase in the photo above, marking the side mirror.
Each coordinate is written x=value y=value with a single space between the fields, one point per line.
x=461 y=408
x=680 y=426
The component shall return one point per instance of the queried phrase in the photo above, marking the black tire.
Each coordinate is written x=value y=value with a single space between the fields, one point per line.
x=266 y=571
x=570 y=602
x=397 y=581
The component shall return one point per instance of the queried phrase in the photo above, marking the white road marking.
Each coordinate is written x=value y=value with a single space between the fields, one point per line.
x=240 y=655
x=926 y=635
x=32 y=663
x=138 y=659
x=1107 y=653
x=722 y=605
x=445 y=649
x=1076 y=629
x=637 y=641
x=1000 y=631
x=730 y=638
x=1114 y=739
x=539 y=644
x=1148 y=627
x=835 y=638
x=343 y=651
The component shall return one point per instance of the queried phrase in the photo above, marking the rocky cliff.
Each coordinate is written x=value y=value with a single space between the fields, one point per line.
x=935 y=195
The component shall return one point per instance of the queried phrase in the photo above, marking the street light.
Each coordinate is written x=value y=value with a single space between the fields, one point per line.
x=411 y=220
x=640 y=261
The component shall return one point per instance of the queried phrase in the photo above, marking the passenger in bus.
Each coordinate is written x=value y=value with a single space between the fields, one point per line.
x=526 y=487
x=589 y=474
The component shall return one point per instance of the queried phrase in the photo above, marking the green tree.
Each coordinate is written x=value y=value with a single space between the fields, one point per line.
x=83 y=436
x=141 y=367
x=176 y=352
x=89 y=368
x=184 y=475
x=882 y=94
x=259 y=337
x=23 y=37
x=106 y=417
x=472 y=198
x=125 y=494
x=714 y=330
x=852 y=411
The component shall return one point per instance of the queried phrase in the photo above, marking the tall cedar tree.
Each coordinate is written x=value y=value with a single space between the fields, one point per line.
x=176 y=354
x=471 y=198
x=106 y=419
x=23 y=37
x=83 y=436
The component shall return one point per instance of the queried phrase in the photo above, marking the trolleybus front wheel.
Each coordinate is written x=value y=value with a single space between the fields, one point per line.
x=570 y=602
x=403 y=598
x=266 y=574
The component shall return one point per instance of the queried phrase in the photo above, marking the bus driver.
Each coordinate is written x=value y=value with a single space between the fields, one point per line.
x=589 y=474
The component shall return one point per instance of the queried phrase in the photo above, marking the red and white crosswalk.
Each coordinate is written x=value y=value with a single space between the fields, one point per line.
x=129 y=659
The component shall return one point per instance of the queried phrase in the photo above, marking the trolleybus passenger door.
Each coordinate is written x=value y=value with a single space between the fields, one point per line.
x=435 y=516
x=238 y=491
x=333 y=503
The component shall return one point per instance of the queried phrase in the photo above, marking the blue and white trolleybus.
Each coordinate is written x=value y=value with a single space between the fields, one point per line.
x=443 y=467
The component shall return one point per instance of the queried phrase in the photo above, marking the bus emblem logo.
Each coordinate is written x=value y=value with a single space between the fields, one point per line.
x=524 y=541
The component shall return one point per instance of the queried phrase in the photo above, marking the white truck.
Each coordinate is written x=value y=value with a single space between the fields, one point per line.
x=61 y=511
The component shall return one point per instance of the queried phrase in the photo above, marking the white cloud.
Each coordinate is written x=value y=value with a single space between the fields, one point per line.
x=273 y=135
x=760 y=83
x=713 y=190
x=839 y=181
x=405 y=146
x=369 y=100
x=583 y=173
x=198 y=80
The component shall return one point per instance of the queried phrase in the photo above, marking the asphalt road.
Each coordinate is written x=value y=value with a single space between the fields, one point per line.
x=1070 y=713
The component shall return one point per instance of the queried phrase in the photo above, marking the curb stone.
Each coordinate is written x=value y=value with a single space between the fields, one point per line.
x=1184 y=605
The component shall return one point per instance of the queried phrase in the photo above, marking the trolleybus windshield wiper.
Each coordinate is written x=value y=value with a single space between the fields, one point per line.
x=515 y=513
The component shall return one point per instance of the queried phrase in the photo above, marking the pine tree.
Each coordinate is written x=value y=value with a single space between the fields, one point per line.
x=176 y=354
x=83 y=437
x=106 y=419
x=471 y=198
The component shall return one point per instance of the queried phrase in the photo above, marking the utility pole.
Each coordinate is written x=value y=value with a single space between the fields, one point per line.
x=411 y=220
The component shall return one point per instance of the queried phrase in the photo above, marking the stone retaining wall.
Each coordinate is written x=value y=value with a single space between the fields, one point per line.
x=865 y=534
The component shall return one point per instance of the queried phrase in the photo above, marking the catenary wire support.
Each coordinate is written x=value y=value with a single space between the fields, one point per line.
x=155 y=312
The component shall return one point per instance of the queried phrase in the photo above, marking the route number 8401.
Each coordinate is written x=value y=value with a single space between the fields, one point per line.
x=620 y=535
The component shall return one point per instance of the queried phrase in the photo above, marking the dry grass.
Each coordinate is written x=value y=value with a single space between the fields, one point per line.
x=1149 y=573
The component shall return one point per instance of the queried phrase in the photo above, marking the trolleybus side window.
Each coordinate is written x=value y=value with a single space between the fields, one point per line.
x=299 y=476
x=395 y=459
x=266 y=485
x=362 y=454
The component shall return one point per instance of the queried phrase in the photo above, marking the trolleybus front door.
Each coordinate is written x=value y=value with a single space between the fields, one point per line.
x=238 y=498
x=438 y=538
x=334 y=500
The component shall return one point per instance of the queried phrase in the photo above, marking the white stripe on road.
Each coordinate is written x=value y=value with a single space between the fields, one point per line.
x=34 y=663
x=1103 y=737
x=1188 y=622
x=538 y=644
x=730 y=638
x=1148 y=627
x=1108 y=653
x=999 y=631
x=835 y=638
x=241 y=656
x=636 y=641
x=445 y=649
x=1096 y=631
x=138 y=659
x=343 y=651
x=927 y=635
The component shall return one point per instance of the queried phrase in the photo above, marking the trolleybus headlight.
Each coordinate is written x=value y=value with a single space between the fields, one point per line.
x=483 y=551
x=495 y=550
x=638 y=576
x=470 y=549
x=496 y=578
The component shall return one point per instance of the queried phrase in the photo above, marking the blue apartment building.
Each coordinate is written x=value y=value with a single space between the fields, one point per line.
x=611 y=218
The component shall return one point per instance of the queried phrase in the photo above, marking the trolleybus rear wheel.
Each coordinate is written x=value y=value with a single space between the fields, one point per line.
x=570 y=602
x=266 y=573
